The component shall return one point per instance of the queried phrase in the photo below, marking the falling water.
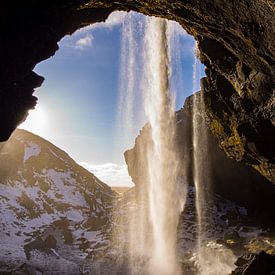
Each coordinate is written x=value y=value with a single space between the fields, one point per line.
x=199 y=145
x=212 y=259
x=131 y=236
x=164 y=202
x=152 y=228
x=151 y=225
x=128 y=58
x=130 y=106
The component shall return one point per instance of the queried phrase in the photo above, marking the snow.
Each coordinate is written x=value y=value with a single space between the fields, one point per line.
x=57 y=191
x=55 y=253
x=93 y=236
x=31 y=149
x=74 y=215
x=64 y=183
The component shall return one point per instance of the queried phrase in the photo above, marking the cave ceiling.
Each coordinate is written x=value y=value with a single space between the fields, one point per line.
x=236 y=43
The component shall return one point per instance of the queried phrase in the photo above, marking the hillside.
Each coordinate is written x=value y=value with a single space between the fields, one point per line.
x=51 y=208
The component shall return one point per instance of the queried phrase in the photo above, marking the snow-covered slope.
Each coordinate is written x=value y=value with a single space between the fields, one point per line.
x=50 y=207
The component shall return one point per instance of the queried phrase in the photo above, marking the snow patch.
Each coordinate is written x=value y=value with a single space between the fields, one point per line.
x=31 y=149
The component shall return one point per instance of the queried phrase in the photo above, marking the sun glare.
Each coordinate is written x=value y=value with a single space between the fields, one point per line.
x=36 y=121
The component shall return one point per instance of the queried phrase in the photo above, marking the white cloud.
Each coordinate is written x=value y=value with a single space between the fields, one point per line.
x=110 y=173
x=84 y=42
x=82 y=38
x=116 y=18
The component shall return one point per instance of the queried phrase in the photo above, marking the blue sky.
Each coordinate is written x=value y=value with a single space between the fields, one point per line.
x=78 y=102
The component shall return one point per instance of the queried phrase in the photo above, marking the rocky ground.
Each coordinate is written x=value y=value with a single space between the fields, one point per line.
x=226 y=234
x=57 y=218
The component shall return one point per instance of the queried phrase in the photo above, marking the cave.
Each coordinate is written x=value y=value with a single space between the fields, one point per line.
x=235 y=42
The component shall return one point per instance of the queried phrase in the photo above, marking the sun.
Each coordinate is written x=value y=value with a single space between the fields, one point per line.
x=36 y=121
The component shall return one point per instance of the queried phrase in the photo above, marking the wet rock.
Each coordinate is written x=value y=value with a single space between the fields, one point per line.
x=261 y=264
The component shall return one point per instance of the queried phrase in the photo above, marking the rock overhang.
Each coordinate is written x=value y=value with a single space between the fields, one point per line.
x=235 y=39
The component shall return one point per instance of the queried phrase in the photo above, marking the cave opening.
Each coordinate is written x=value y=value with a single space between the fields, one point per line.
x=48 y=212
x=80 y=104
x=91 y=105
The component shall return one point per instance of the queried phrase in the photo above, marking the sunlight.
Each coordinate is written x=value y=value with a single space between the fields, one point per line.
x=36 y=121
x=134 y=160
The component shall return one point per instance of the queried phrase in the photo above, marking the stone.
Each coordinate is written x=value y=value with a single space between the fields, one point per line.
x=255 y=264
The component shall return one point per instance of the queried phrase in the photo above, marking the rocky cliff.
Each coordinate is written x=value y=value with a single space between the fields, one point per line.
x=54 y=213
x=221 y=175
x=236 y=43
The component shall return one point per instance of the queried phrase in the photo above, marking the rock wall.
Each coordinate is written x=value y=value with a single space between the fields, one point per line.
x=236 y=42
x=221 y=175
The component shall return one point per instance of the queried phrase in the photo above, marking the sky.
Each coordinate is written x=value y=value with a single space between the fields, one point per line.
x=78 y=102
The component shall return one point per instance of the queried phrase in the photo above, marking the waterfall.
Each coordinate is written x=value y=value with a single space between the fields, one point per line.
x=199 y=154
x=126 y=97
x=162 y=159
x=130 y=115
x=211 y=258
x=151 y=228
x=146 y=234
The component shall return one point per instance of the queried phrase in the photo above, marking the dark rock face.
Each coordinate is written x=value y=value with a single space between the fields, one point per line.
x=262 y=263
x=29 y=35
x=236 y=42
x=230 y=179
